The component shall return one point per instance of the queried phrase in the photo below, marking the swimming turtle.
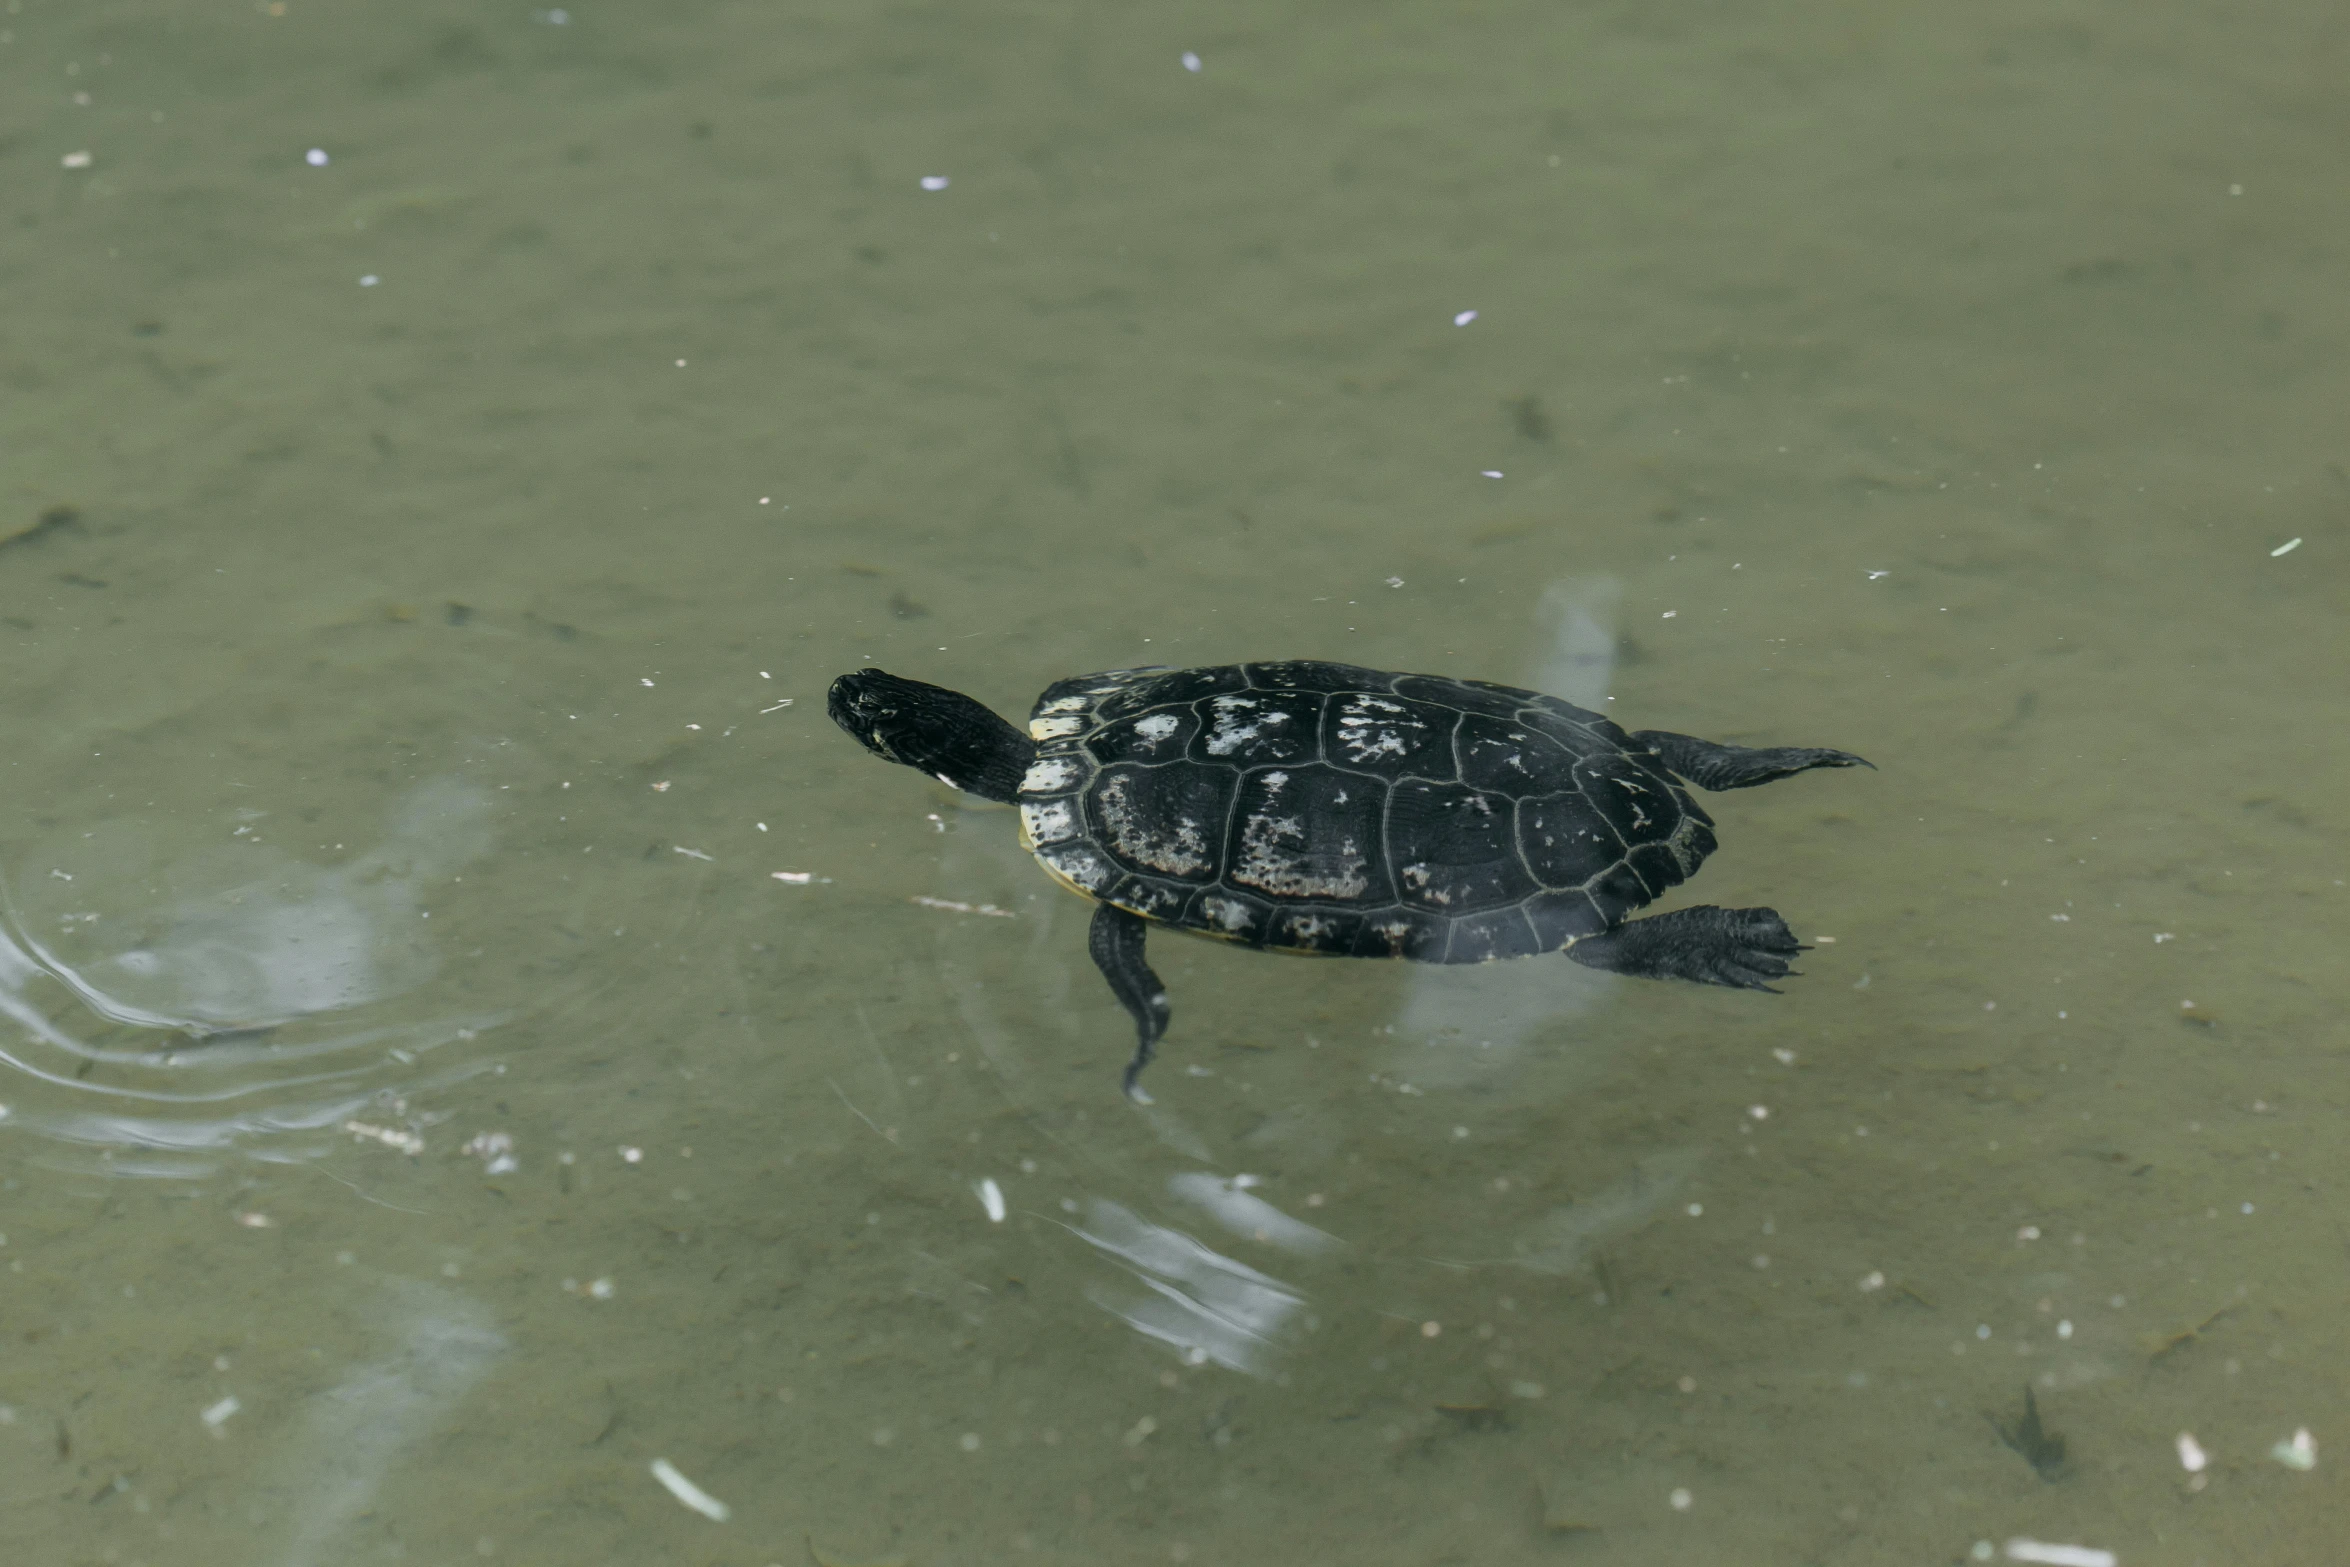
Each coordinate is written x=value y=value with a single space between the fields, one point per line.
x=1321 y=808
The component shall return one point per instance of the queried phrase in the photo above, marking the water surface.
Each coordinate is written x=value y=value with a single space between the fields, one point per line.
x=473 y=1028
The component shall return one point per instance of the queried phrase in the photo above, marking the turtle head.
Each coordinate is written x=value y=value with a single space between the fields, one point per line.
x=933 y=730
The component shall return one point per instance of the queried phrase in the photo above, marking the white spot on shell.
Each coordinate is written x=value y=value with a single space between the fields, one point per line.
x=1066 y=704
x=1080 y=865
x=1050 y=822
x=1053 y=728
x=1278 y=855
x=1226 y=913
x=1371 y=727
x=1048 y=774
x=1237 y=722
x=1312 y=927
x=1157 y=727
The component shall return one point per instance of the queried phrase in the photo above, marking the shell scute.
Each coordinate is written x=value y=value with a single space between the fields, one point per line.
x=1584 y=735
x=1232 y=915
x=1167 y=821
x=1080 y=865
x=1150 y=897
x=1403 y=933
x=1162 y=734
x=1641 y=807
x=1306 y=674
x=1391 y=736
x=1258 y=728
x=1470 y=696
x=1454 y=848
x=1492 y=936
x=1617 y=891
x=1511 y=758
x=1565 y=842
x=1140 y=689
x=1323 y=930
x=1658 y=868
x=1561 y=917
x=1308 y=833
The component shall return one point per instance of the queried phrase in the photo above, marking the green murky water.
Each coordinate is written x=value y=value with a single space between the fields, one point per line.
x=420 y=572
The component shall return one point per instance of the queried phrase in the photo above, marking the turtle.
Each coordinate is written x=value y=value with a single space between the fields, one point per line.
x=1313 y=807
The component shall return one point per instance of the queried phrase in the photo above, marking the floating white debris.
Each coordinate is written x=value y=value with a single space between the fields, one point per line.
x=2286 y=548
x=1874 y=575
x=934 y=182
x=689 y=1493
x=1190 y=61
x=255 y=1221
x=495 y=1150
x=1681 y=1499
x=389 y=1136
x=991 y=1197
x=2192 y=1458
x=217 y=1416
x=1490 y=473
x=953 y=907
x=778 y=707
x=1463 y=318
x=2299 y=1453
x=76 y=160
x=691 y=854
x=2022 y=1550
x=796 y=878
x=315 y=157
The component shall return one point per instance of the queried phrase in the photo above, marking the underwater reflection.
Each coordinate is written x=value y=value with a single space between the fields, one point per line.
x=1461 y=1023
x=251 y=1004
x=1205 y=1304
x=350 y=1435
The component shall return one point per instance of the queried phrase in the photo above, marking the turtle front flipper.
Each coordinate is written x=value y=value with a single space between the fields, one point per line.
x=1742 y=948
x=1718 y=767
x=1116 y=944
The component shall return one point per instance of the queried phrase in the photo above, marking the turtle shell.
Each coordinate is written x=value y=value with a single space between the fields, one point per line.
x=1322 y=808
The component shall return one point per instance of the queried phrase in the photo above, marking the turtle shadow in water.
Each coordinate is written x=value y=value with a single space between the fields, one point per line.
x=1460 y=1024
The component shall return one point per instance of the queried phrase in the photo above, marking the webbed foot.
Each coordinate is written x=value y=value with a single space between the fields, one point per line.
x=1742 y=948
